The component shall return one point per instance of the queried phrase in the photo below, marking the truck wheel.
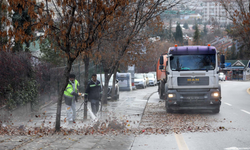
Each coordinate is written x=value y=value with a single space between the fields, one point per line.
x=162 y=90
x=220 y=92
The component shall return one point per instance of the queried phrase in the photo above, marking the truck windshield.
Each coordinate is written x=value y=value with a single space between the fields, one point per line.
x=192 y=62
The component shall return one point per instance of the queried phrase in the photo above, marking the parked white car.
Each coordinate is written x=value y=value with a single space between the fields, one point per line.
x=152 y=79
x=222 y=76
x=153 y=73
x=140 y=80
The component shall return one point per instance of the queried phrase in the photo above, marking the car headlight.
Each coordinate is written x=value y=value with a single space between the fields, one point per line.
x=215 y=94
x=171 y=95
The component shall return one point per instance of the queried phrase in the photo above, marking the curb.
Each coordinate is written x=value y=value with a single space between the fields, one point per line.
x=147 y=104
x=142 y=114
x=248 y=91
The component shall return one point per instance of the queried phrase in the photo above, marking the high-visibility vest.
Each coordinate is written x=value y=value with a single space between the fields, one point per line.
x=69 y=89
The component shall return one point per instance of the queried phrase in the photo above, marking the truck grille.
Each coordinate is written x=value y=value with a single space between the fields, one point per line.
x=193 y=90
x=188 y=81
x=191 y=97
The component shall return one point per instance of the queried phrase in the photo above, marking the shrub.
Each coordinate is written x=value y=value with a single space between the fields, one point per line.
x=18 y=85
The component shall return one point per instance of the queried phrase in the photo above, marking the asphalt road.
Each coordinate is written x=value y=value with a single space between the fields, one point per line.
x=227 y=130
x=156 y=129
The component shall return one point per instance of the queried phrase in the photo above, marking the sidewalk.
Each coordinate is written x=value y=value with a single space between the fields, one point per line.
x=122 y=117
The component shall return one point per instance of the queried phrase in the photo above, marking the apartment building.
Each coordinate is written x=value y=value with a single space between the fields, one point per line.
x=214 y=12
x=195 y=5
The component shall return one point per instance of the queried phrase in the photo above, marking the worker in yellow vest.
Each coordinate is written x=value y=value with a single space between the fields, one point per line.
x=70 y=96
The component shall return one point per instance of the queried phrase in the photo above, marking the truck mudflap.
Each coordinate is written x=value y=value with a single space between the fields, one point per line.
x=193 y=99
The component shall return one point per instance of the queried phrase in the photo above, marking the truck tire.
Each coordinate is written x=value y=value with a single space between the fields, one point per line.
x=162 y=90
x=220 y=91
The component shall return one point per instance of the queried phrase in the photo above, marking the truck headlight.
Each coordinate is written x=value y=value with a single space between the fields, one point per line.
x=215 y=94
x=171 y=95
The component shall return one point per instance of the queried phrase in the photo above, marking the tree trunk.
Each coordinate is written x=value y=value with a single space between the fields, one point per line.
x=59 y=101
x=102 y=90
x=27 y=47
x=86 y=63
x=105 y=88
x=96 y=69
x=113 y=96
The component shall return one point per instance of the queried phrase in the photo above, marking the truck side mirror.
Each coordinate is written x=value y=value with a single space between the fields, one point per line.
x=222 y=61
x=161 y=60
x=161 y=67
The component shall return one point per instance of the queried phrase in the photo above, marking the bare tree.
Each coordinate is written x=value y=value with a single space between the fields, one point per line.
x=128 y=32
x=238 y=13
x=73 y=25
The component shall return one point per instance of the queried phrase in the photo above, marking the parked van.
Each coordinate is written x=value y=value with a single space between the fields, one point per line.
x=132 y=78
x=125 y=81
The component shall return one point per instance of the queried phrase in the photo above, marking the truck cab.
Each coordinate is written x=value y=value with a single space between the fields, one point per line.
x=191 y=78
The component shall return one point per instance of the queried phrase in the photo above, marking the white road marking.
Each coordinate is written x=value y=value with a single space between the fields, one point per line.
x=236 y=148
x=181 y=142
x=228 y=104
x=245 y=111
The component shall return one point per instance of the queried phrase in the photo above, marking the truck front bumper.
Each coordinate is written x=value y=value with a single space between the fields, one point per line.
x=196 y=99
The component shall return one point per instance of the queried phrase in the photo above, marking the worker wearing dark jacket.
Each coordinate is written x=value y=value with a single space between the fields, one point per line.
x=93 y=93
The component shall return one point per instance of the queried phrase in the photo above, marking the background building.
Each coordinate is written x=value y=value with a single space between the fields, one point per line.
x=214 y=12
x=237 y=69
